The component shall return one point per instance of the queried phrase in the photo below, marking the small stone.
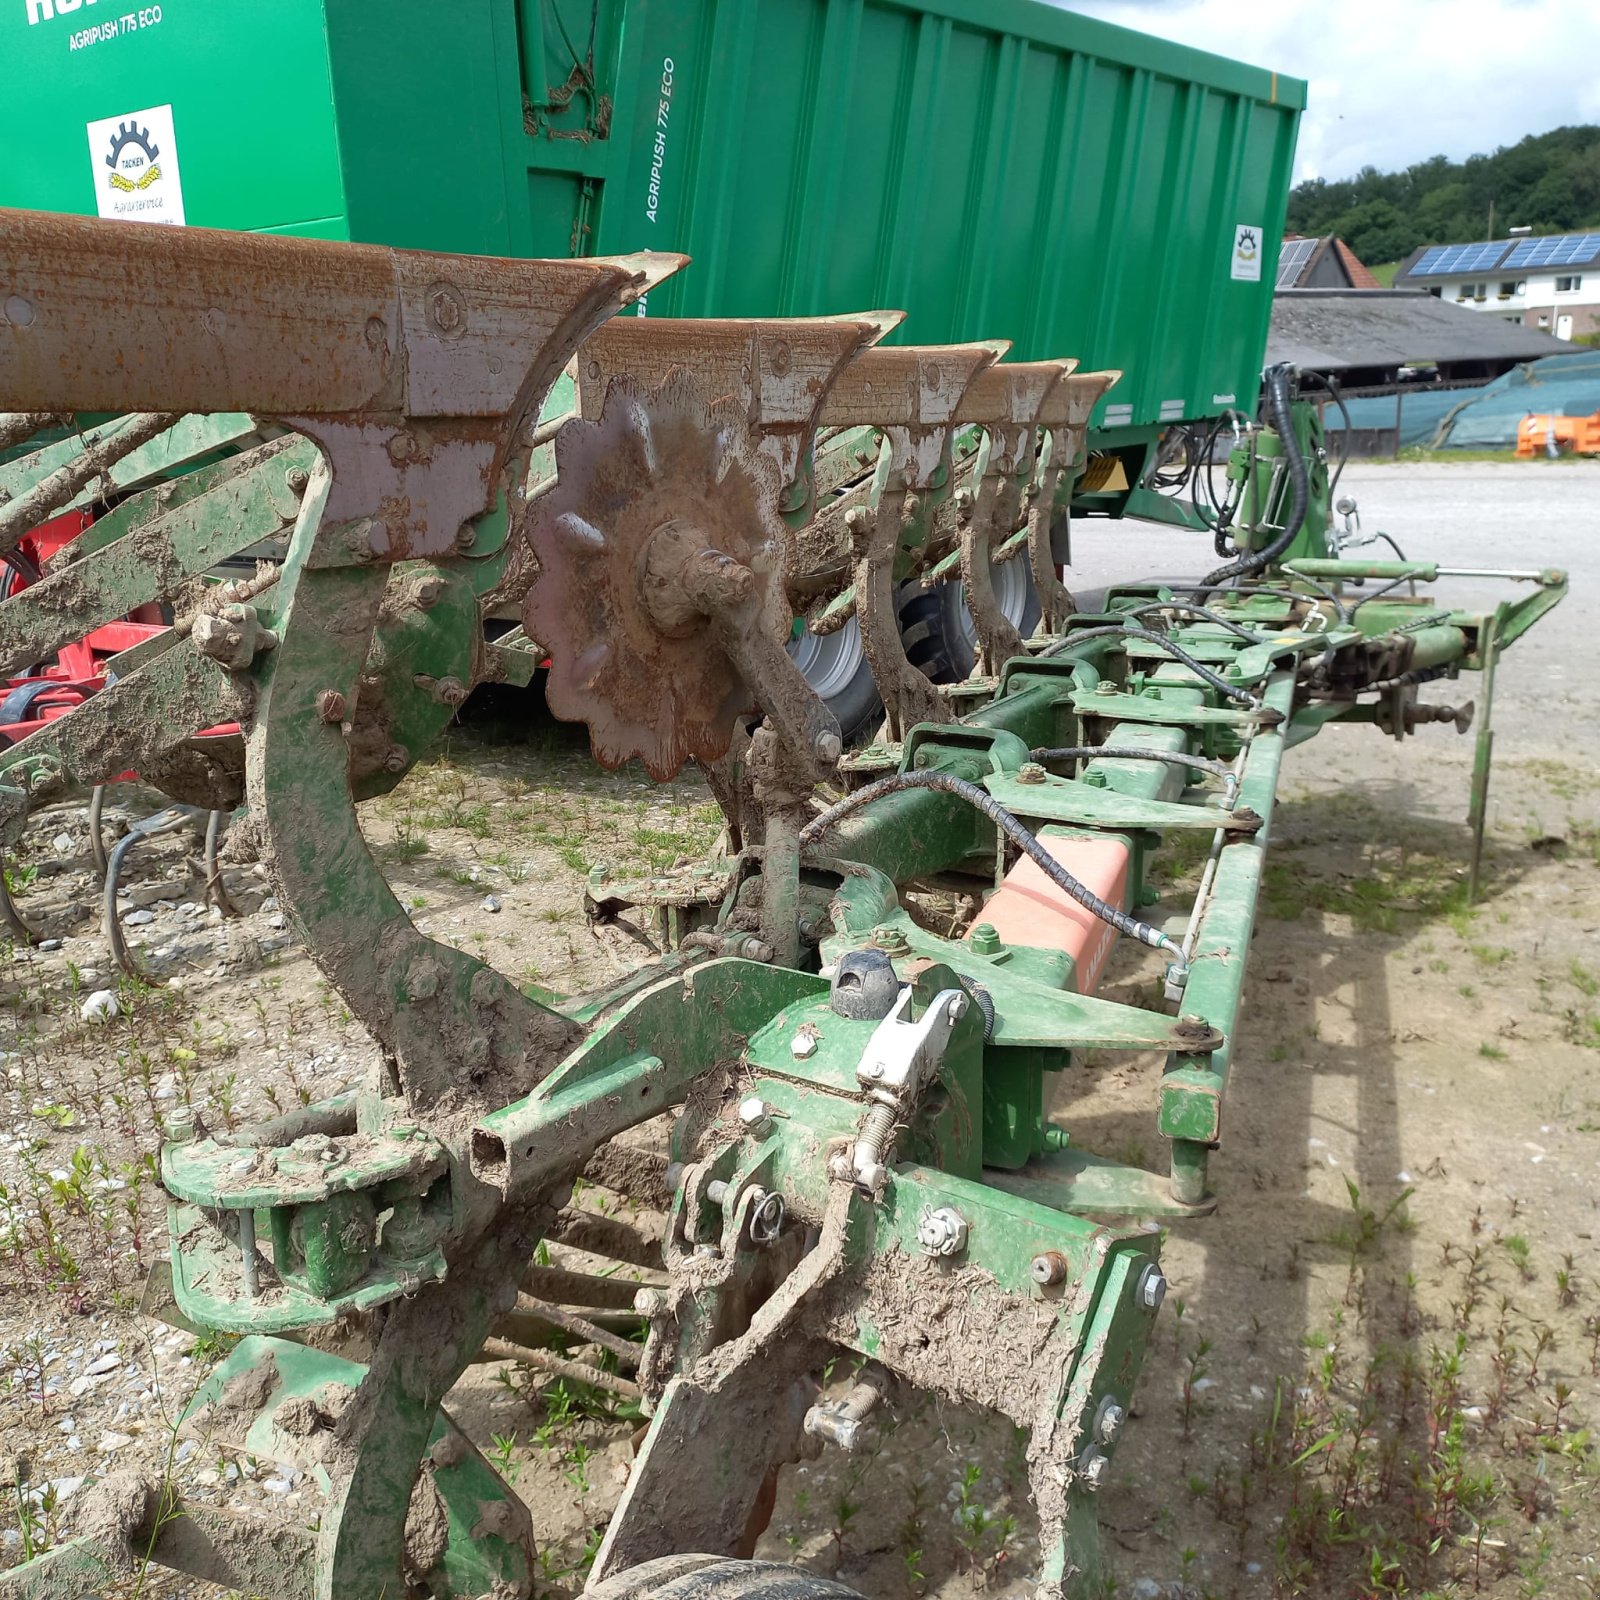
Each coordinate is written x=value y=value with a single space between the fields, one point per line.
x=276 y=920
x=48 y=944
x=62 y=843
x=101 y=1006
x=106 y=1363
x=276 y=1486
x=270 y=903
x=110 y=1442
x=138 y=919
x=491 y=902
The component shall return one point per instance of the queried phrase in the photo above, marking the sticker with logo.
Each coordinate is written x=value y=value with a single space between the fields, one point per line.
x=134 y=158
x=1246 y=253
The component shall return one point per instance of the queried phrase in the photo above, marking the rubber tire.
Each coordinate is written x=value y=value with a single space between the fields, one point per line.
x=854 y=701
x=936 y=627
x=690 y=1577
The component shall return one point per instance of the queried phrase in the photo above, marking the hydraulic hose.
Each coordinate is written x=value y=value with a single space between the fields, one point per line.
x=983 y=801
x=1278 y=413
x=1131 y=752
x=1231 y=690
x=1198 y=611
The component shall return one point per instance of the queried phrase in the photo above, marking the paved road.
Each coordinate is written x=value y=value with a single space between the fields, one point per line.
x=1484 y=514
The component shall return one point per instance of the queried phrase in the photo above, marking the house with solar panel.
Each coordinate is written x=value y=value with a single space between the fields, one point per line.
x=1551 y=283
x=1325 y=263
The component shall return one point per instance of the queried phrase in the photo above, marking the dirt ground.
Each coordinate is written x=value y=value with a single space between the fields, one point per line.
x=1379 y=1361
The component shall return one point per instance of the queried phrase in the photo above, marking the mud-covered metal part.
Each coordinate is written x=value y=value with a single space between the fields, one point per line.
x=1064 y=417
x=912 y=395
x=660 y=593
x=1006 y=401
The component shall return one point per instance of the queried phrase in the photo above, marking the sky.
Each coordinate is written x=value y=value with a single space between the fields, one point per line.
x=1395 y=81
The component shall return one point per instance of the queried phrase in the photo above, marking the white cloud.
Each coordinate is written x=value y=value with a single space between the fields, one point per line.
x=1392 y=82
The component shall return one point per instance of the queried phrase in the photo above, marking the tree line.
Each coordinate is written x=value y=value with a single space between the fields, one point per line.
x=1549 y=182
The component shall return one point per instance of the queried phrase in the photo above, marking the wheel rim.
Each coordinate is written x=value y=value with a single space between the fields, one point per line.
x=829 y=662
x=1010 y=580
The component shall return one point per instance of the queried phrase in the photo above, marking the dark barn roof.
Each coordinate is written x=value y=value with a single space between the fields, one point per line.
x=1338 y=330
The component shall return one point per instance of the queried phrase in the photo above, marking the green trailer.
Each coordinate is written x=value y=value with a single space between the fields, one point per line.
x=999 y=168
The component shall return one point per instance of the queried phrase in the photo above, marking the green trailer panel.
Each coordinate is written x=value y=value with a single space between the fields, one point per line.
x=995 y=167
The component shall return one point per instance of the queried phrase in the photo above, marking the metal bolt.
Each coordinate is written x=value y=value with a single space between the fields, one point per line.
x=942 y=1232
x=429 y=591
x=1152 y=1287
x=1112 y=1416
x=1048 y=1267
x=803 y=1046
x=362 y=540
x=466 y=537
x=330 y=706
x=717 y=1192
x=298 y=478
x=1094 y=1468
x=1031 y=772
x=956 y=1010
x=754 y=1117
x=396 y=758
x=178 y=1127
x=890 y=940
x=650 y=1303
x=450 y=692
x=985 y=940
x=828 y=747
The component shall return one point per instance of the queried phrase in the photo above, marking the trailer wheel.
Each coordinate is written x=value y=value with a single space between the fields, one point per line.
x=717 y=1578
x=936 y=627
x=835 y=665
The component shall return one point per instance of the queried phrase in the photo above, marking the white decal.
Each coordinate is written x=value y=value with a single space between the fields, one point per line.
x=658 y=153
x=134 y=158
x=1246 y=253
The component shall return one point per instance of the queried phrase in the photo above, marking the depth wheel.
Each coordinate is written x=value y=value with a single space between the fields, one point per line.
x=717 y=1578
x=936 y=627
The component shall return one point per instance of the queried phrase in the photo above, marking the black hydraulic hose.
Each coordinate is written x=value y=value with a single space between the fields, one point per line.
x=1177 y=652
x=985 y=802
x=1133 y=752
x=1277 y=387
x=1199 y=611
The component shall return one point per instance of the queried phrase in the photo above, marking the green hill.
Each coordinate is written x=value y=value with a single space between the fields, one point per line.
x=1549 y=182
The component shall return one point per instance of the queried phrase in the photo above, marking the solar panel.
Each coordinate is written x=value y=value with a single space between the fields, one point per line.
x=1296 y=252
x=1446 y=258
x=1555 y=250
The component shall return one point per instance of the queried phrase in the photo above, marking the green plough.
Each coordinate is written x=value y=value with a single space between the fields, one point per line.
x=866 y=1160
